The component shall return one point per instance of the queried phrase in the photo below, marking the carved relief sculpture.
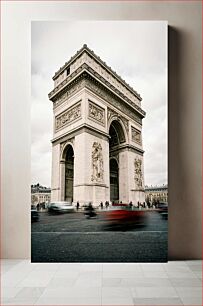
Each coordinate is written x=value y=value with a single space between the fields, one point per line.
x=116 y=102
x=138 y=173
x=136 y=135
x=96 y=113
x=68 y=116
x=97 y=163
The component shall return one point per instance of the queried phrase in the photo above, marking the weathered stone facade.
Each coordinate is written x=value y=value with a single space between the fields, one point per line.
x=98 y=117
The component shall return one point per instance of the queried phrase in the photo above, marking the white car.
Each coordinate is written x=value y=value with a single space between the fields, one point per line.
x=60 y=207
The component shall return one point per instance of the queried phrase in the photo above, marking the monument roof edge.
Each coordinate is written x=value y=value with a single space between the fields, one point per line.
x=98 y=59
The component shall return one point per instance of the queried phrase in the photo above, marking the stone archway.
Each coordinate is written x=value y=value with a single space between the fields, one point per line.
x=100 y=117
x=116 y=133
x=69 y=174
x=114 y=180
x=117 y=138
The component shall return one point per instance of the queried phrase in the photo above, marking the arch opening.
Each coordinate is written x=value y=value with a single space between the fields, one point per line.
x=114 y=180
x=116 y=133
x=69 y=173
x=117 y=137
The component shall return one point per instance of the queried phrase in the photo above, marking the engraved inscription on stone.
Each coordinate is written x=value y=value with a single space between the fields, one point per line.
x=136 y=135
x=96 y=113
x=70 y=115
x=138 y=173
x=97 y=163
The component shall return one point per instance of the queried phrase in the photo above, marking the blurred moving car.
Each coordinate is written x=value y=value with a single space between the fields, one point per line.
x=60 y=207
x=34 y=215
x=119 y=204
x=162 y=208
x=123 y=216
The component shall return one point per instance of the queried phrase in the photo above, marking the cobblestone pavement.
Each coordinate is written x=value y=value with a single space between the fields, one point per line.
x=73 y=238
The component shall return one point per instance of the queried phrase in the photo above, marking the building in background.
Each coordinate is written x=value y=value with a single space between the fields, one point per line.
x=156 y=193
x=40 y=195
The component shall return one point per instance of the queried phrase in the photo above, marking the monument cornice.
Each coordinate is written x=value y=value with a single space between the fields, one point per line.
x=82 y=128
x=129 y=147
x=58 y=90
x=98 y=60
x=92 y=184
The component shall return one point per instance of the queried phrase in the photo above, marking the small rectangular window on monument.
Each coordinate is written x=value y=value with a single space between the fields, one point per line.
x=67 y=71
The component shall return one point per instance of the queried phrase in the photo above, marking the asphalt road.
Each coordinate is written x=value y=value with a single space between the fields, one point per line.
x=77 y=222
x=73 y=238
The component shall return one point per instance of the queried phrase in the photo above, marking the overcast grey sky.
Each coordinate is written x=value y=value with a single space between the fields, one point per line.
x=136 y=50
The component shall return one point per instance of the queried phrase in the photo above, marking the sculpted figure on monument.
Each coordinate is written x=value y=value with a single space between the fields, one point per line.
x=97 y=162
x=96 y=112
x=138 y=173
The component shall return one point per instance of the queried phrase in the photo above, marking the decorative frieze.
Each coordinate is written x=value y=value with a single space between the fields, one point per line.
x=136 y=135
x=89 y=57
x=113 y=80
x=97 y=163
x=97 y=88
x=73 y=88
x=116 y=90
x=76 y=87
x=138 y=176
x=70 y=115
x=84 y=67
x=96 y=113
x=62 y=98
x=113 y=100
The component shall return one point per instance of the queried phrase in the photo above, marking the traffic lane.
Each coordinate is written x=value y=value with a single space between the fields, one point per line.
x=77 y=222
x=145 y=221
x=99 y=247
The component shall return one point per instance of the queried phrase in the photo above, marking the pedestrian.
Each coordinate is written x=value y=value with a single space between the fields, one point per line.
x=77 y=205
x=38 y=206
x=131 y=205
x=101 y=205
x=106 y=204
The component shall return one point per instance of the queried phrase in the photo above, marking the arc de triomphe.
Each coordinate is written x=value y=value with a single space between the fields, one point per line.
x=97 y=152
